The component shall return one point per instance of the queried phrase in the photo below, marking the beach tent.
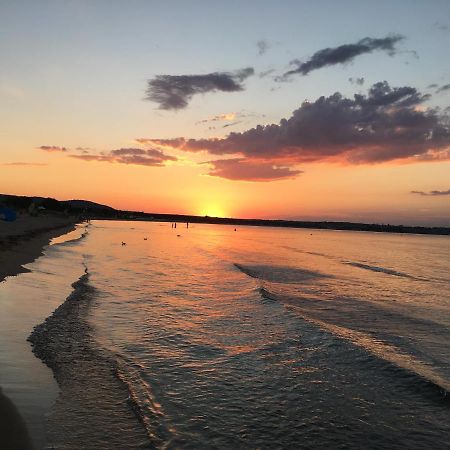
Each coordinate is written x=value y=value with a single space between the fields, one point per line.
x=7 y=214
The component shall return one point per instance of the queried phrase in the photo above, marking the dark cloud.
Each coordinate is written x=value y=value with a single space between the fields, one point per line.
x=432 y=193
x=263 y=46
x=342 y=54
x=444 y=88
x=358 y=80
x=384 y=125
x=175 y=91
x=241 y=169
x=52 y=148
x=138 y=156
x=432 y=86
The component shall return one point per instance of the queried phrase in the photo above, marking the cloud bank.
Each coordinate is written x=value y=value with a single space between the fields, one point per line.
x=432 y=193
x=387 y=124
x=342 y=54
x=175 y=91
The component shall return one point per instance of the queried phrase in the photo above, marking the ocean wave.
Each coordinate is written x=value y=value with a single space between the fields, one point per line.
x=68 y=239
x=279 y=274
x=92 y=398
x=381 y=270
x=418 y=374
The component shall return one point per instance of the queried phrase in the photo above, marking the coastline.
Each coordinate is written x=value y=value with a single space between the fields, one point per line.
x=22 y=242
x=91 y=392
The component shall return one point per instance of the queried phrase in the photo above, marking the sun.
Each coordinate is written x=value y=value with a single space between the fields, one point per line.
x=213 y=210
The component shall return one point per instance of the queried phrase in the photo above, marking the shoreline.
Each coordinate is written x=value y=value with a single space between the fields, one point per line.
x=87 y=379
x=22 y=242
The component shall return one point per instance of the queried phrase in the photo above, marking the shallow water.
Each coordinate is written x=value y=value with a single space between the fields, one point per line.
x=26 y=300
x=263 y=338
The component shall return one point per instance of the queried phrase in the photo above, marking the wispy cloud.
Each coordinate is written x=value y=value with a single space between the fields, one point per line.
x=342 y=54
x=52 y=148
x=225 y=117
x=262 y=46
x=137 y=156
x=444 y=88
x=20 y=163
x=432 y=193
x=230 y=117
x=246 y=170
x=441 y=26
x=175 y=91
x=359 y=81
x=387 y=124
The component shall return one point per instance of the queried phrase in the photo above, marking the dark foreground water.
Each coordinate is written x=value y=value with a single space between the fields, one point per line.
x=257 y=338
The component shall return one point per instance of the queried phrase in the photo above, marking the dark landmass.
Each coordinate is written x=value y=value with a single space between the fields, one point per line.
x=91 y=210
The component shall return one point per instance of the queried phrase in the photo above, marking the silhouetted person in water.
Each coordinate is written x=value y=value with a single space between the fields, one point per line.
x=13 y=431
x=187 y=224
x=175 y=224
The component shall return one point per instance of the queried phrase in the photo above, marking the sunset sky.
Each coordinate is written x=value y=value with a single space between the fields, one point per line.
x=291 y=109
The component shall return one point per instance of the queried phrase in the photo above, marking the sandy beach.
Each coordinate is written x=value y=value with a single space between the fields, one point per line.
x=21 y=242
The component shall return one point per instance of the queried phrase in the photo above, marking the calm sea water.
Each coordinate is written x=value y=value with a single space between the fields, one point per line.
x=261 y=337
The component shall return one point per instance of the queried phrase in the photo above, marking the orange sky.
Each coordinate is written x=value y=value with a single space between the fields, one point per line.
x=70 y=79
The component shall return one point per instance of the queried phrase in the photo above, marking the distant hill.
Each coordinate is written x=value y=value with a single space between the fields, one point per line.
x=86 y=204
x=87 y=209
x=51 y=204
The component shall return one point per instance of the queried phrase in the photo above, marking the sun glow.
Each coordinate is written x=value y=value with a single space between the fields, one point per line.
x=213 y=210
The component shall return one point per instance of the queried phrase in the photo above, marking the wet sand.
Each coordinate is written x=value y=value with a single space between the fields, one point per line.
x=21 y=242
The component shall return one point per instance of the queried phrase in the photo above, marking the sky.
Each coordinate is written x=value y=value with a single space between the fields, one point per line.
x=318 y=110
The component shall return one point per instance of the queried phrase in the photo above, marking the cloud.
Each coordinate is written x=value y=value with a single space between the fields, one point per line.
x=263 y=46
x=387 y=124
x=233 y=117
x=175 y=91
x=137 y=156
x=232 y=124
x=444 y=88
x=342 y=54
x=432 y=193
x=52 y=148
x=441 y=26
x=20 y=163
x=244 y=170
x=432 y=86
x=358 y=81
x=219 y=118
x=266 y=73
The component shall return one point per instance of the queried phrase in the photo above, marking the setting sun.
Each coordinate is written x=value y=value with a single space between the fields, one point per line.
x=213 y=210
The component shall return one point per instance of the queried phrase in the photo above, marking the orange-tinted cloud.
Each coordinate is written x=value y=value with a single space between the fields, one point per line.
x=384 y=125
x=245 y=170
x=138 y=156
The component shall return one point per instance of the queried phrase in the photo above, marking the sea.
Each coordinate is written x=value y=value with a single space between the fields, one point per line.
x=224 y=337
